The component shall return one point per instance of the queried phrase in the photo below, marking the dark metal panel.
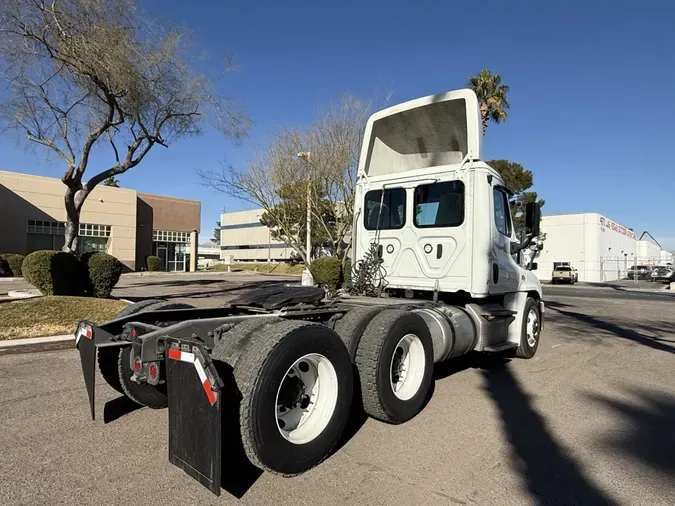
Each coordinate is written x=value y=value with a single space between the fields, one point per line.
x=195 y=431
x=87 y=351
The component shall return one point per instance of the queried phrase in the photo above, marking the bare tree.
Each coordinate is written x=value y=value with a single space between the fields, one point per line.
x=276 y=179
x=83 y=74
x=335 y=143
x=271 y=181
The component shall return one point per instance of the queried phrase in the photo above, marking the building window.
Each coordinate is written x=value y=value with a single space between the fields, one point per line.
x=170 y=236
x=172 y=249
x=50 y=235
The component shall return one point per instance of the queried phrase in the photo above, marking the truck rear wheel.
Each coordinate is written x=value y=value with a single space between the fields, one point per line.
x=296 y=381
x=530 y=332
x=151 y=396
x=351 y=326
x=395 y=363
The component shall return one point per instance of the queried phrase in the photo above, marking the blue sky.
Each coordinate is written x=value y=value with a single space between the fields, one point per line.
x=591 y=90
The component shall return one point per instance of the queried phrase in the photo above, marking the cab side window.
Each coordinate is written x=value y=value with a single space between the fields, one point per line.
x=502 y=214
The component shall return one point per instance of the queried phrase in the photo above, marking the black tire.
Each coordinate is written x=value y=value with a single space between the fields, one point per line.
x=107 y=364
x=151 y=396
x=137 y=307
x=525 y=349
x=108 y=357
x=352 y=325
x=231 y=342
x=374 y=358
x=259 y=373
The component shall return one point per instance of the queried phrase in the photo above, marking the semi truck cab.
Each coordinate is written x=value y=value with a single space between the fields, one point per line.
x=439 y=215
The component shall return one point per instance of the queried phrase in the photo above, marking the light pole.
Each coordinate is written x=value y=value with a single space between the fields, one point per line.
x=307 y=275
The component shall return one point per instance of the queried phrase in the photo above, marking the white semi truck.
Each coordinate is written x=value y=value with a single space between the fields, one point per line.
x=433 y=239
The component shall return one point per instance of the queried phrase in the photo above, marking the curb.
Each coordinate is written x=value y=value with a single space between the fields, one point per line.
x=34 y=344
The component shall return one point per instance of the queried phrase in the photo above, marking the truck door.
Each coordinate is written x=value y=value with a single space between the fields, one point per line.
x=505 y=275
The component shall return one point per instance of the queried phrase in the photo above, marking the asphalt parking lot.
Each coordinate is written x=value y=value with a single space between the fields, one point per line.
x=589 y=420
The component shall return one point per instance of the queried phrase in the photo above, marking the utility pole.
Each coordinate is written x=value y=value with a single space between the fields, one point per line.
x=307 y=275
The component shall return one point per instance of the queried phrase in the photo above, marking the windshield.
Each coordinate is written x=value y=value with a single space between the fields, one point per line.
x=564 y=269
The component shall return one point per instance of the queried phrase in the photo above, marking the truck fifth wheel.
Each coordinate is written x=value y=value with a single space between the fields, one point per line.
x=432 y=232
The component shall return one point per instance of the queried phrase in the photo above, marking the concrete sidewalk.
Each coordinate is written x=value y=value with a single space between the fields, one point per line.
x=34 y=344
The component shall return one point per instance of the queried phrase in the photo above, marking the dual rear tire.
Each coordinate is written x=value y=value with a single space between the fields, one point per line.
x=295 y=383
x=395 y=364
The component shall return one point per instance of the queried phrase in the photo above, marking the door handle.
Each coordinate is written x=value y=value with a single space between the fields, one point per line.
x=439 y=251
x=379 y=251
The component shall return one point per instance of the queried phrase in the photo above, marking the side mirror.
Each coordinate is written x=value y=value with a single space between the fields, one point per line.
x=534 y=266
x=532 y=219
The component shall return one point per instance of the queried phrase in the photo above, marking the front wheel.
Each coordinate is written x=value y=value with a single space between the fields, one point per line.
x=530 y=331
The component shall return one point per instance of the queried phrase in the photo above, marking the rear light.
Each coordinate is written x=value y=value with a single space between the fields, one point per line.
x=152 y=371
x=137 y=365
x=133 y=333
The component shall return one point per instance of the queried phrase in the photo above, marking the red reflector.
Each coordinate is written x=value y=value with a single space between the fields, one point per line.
x=174 y=354
x=137 y=365
x=133 y=332
x=153 y=371
x=88 y=334
x=209 y=393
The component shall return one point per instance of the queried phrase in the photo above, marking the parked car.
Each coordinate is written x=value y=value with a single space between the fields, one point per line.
x=663 y=273
x=639 y=272
x=564 y=274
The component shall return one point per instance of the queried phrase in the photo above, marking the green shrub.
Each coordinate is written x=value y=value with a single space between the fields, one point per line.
x=5 y=270
x=103 y=273
x=54 y=273
x=327 y=272
x=154 y=263
x=15 y=262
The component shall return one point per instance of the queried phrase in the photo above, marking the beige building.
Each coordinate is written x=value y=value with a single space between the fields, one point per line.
x=129 y=225
x=247 y=240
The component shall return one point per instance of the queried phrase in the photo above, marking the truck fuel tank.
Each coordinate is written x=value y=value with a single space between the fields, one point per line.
x=452 y=331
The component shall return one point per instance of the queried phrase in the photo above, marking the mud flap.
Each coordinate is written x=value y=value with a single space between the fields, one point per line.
x=85 y=345
x=88 y=337
x=195 y=431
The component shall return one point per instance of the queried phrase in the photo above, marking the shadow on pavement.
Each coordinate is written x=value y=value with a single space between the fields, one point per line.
x=176 y=282
x=650 y=423
x=620 y=331
x=550 y=475
x=117 y=408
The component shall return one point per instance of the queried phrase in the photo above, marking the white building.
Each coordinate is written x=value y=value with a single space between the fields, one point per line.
x=599 y=248
x=247 y=240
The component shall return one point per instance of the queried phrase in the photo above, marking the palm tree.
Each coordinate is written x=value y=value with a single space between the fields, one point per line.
x=111 y=181
x=491 y=95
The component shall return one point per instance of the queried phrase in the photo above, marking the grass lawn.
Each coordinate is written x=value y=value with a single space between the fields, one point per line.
x=262 y=267
x=50 y=316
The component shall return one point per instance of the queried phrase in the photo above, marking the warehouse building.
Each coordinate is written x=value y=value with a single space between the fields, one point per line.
x=599 y=248
x=120 y=221
x=247 y=240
